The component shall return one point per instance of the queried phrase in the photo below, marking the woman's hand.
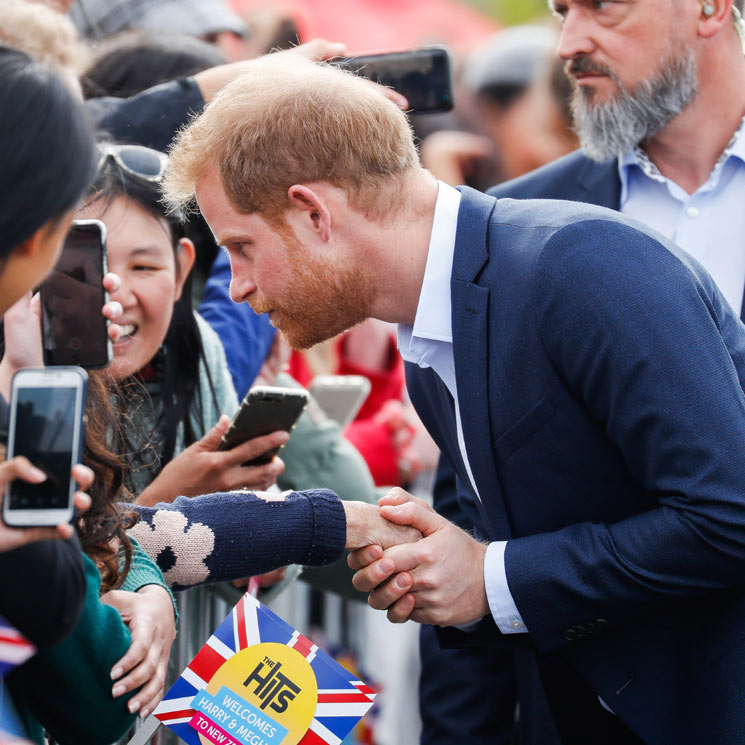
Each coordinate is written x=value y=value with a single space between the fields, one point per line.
x=23 y=342
x=21 y=468
x=149 y=615
x=202 y=469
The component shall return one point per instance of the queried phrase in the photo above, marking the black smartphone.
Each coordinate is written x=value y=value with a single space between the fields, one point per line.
x=46 y=426
x=74 y=332
x=265 y=409
x=424 y=76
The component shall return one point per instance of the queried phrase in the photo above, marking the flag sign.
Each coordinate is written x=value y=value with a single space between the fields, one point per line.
x=15 y=649
x=258 y=681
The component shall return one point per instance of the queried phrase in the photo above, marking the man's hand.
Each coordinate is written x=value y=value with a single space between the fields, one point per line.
x=366 y=527
x=438 y=580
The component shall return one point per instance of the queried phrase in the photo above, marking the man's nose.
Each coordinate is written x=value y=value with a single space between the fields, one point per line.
x=576 y=33
x=242 y=283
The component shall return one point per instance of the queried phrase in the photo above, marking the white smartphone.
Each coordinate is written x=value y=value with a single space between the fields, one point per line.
x=340 y=396
x=46 y=426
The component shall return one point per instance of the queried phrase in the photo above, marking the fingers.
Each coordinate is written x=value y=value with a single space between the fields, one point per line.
x=320 y=49
x=403 y=558
x=257 y=446
x=397 y=495
x=82 y=502
x=149 y=675
x=212 y=439
x=363 y=557
x=111 y=282
x=83 y=476
x=20 y=468
x=402 y=609
x=418 y=516
x=113 y=309
x=395 y=97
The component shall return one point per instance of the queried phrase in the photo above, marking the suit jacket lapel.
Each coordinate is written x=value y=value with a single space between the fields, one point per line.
x=601 y=183
x=471 y=353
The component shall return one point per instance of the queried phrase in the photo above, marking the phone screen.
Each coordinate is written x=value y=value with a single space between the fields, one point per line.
x=423 y=76
x=45 y=429
x=73 y=329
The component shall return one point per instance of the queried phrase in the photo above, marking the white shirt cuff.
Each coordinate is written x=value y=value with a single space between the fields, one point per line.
x=502 y=606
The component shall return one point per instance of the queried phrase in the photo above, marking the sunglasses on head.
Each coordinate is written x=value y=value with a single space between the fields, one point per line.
x=143 y=162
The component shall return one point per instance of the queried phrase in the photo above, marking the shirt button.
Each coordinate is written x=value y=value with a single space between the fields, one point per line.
x=692 y=212
x=516 y=624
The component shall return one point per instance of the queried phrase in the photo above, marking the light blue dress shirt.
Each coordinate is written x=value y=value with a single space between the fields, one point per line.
x=429 y=343
x=709 y=224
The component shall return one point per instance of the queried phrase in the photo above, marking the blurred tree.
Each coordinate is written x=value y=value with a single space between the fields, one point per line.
x=511 y=12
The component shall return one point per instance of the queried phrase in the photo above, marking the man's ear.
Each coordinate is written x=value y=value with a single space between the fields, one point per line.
x=184 y=262
x=308 y=201
x=715 y=15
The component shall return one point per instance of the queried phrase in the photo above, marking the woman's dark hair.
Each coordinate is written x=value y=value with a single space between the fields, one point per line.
x=104 y=520
x=47 y=148
x=133 y=61
x=177 y=363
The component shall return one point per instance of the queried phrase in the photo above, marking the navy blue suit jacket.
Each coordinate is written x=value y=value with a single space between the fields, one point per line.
x=600 y=375
x=574 y=177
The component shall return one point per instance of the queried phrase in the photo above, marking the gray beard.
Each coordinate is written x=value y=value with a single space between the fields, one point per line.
x=606 y=130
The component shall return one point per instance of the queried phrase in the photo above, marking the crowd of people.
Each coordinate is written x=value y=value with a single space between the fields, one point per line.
x=557 y=342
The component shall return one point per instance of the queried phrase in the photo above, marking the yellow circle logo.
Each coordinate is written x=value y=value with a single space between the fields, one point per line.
x=264 y=695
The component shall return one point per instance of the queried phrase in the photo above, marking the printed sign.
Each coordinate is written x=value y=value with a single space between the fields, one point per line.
x=258 y=681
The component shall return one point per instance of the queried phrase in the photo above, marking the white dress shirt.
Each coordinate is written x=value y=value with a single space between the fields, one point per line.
x=708 y=224
x=429 y=343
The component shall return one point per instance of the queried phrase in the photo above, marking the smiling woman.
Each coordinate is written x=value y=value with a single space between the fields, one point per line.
x=164 y=345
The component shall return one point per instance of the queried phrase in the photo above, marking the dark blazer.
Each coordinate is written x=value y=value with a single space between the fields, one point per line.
x=600 y=375
x=574 y=177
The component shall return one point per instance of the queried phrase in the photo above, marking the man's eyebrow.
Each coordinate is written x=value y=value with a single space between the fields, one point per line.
x=233 y=238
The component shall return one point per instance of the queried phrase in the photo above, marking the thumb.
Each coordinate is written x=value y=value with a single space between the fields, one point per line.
x=415 y=515
x=211 y=440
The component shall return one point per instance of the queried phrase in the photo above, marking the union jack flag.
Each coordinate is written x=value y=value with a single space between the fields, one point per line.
x=15 y=649
x=342 y=700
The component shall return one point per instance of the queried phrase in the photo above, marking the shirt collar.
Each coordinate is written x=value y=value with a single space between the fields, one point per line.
x=638 y=158
x=433 y=314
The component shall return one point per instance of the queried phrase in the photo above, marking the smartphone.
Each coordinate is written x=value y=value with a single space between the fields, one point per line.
x=74 y=332
x=46 y=426
x=265 y=409
x=423 y=75
x=340 y=396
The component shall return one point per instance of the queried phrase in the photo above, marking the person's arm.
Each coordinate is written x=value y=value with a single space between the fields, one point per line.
x=153 y=117
x=149 y=609
x=42 y=586
x=658 y=359
x=224 y=537
x=67 y=688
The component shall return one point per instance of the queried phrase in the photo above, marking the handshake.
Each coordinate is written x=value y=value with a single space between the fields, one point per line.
x=414 y=563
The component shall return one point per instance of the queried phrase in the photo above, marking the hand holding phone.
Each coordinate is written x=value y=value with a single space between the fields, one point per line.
x=265 y=409
x=201 y=469
x=74 y=329
x=46 y=427
x=423 y=76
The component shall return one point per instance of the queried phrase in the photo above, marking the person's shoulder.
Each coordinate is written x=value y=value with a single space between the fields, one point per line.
x=556 y=180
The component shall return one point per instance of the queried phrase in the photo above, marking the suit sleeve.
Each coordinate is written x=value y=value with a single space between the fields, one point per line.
x=652 y=352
